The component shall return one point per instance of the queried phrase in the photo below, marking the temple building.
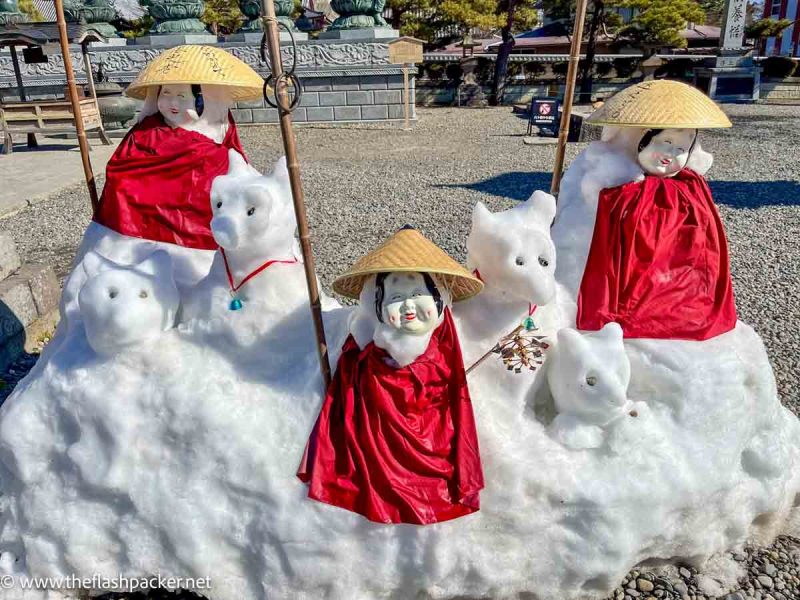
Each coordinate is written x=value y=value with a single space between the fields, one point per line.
x=788 y=44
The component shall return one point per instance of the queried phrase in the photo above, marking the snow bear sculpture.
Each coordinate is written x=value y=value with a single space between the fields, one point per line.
x=588 y=376
x=258 y=261
x=122 y=307
x=512 y=252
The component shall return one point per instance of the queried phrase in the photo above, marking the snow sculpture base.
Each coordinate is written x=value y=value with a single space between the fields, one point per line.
x=181 y=460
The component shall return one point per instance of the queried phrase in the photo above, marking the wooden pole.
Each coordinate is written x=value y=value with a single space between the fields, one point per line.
x=83 y=143
x=23 y=97
x=406 y=94
x=87 y=65
x=273 y=44
x=569 y=93
x=18 y=74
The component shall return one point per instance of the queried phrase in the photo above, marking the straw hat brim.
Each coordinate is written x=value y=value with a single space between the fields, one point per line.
x=197 y=64
x=408 y=251
x=660 y=104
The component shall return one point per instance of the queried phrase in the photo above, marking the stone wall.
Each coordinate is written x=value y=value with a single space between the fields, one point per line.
x=786 y=90
x=339 y=98
x=444 y=93
x=342 y=81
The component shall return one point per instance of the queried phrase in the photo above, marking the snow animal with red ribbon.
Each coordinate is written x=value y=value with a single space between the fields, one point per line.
x=254 y=226
x=255 y=293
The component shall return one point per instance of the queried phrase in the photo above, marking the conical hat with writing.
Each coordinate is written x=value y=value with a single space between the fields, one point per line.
x=198 y=64
x=660 y=104
x=409 y=251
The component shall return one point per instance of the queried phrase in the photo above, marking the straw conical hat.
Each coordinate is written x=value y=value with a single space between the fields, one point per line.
x=660 y=104
x=194 y=63
x=409 y=251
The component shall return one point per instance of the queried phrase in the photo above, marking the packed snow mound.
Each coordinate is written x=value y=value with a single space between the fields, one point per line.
x=179 y=457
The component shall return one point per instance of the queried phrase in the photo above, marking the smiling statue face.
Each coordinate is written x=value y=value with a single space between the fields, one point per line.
x=408 y=304
x=668 y=152
x=176 y=103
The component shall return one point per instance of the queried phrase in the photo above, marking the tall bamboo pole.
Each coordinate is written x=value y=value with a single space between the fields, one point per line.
x=76 y=104
x=569 y=93
x=273 y=44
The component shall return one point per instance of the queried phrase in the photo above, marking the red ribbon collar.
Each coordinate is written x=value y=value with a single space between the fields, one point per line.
x=249 y=276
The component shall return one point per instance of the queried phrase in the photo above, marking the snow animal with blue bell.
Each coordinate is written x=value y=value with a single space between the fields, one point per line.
x=258 y=257
x=512 y=253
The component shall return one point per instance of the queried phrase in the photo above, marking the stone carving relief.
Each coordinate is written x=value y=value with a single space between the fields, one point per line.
x=124 y=63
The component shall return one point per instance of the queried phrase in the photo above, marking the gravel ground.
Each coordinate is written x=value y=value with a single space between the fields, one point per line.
x=363 y=182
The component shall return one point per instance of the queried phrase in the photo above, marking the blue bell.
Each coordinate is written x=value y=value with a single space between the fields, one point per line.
x=235 y=304
x=529 y=324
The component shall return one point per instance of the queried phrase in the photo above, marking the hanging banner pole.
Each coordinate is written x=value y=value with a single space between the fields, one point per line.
x=569 y=93
x=270 y=23
x=83 y=143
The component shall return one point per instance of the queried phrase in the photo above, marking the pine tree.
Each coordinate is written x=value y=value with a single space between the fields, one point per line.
x=660 y=22
x=713 y=10
x=417 y=18
x=425 y=19
x=598 y=19
x=517 y=15
x=222 y=16
x=29 y=8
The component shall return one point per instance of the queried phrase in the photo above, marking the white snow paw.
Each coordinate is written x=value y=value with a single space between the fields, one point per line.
x=574 y=434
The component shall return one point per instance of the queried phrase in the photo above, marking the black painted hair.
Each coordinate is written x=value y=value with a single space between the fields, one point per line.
x=651 y=133
x=380 y=292
x=199 y=103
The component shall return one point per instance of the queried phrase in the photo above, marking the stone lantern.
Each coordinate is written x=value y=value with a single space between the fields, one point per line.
x=176 y=16
x=98 y=13
x=359 y=19
x=10 y=13
x=252 y=10
x=251 y=30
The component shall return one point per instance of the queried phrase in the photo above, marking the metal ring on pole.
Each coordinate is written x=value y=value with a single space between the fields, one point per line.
x=293 y=43
x=287 y=77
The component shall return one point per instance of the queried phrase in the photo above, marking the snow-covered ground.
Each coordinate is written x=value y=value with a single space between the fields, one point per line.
x=177 y=453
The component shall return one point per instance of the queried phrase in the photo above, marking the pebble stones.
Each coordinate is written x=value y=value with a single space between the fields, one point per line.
x=773 y=573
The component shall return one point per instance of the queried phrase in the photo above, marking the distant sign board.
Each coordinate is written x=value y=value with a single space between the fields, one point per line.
x=405 y=50
x=544 y=115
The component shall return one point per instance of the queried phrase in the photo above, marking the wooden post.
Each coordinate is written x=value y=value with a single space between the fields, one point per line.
x=569 y=93
x=18 y=74
x=32 y=143
x=405 y=96
x=83 y=143
x=87 y=65
x=273 y=44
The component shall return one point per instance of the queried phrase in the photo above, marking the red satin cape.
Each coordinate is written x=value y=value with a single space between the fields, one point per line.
x=658 y=262
x=158 y=183
x=397 y=445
